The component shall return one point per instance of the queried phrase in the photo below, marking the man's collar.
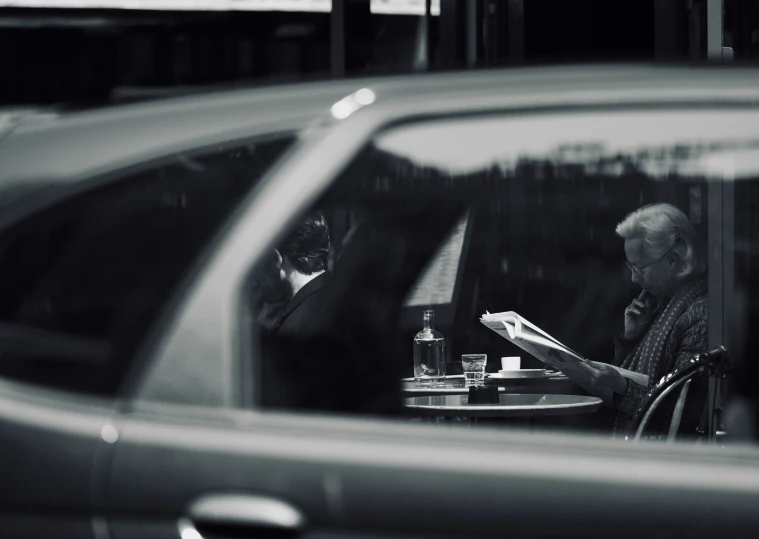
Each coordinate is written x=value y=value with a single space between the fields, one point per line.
x=311 y=287
x=302 y=280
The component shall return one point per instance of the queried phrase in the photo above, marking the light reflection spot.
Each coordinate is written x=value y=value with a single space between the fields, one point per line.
x=365 y=96
x=341 y=109
x=187 y=530
x=109 y=434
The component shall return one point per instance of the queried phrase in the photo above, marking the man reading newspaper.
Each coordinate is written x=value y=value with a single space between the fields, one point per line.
x=665 y=327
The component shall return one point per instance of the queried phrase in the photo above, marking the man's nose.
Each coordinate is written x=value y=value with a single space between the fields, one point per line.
x=635 y=278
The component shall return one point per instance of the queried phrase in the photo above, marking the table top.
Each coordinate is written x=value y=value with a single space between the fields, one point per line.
x=510 y=405
x=454 y=385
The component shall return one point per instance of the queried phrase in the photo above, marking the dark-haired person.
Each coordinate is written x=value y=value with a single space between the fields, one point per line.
x=301 y=260
x=295 y=317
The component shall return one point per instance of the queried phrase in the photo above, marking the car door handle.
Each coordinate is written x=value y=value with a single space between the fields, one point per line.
x=240 y=515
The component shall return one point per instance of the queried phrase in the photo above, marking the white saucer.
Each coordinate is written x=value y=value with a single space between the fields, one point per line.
x=521 y=373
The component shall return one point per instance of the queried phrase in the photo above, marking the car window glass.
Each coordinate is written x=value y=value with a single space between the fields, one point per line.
x=470 y=145
x=514 y=213
x=84 y=280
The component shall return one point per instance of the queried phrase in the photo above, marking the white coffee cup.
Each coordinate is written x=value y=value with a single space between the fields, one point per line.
x=511 y=363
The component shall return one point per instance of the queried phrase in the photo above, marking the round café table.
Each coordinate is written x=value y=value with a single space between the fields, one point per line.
x=556 y=384
x=510 y=405
x=513 y=409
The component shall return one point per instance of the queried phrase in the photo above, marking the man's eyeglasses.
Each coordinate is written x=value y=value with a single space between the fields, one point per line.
x=639 y=269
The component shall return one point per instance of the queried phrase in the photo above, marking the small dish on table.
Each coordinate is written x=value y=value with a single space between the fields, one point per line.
x=520 y=374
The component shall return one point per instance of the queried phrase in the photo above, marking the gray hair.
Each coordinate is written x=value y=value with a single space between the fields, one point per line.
x=662 y=226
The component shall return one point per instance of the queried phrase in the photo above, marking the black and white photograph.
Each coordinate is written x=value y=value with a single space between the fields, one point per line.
x=379 y=269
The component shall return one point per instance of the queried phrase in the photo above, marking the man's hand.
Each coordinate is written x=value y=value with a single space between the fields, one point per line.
x=638 y=315
x=604 y=375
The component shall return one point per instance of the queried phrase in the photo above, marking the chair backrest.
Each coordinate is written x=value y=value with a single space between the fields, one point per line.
x=713 y=363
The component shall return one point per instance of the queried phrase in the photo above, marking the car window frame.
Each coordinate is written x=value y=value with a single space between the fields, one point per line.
x=305 y=176
x=28 y=208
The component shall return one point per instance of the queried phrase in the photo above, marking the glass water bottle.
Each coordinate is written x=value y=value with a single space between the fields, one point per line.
x=429 y=353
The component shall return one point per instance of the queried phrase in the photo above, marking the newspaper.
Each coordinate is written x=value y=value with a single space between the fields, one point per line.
x=542 y=346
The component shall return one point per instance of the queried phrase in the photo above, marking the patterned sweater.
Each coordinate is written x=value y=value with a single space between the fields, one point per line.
x=687 y=337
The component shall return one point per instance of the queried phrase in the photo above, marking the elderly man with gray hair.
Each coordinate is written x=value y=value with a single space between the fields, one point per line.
x=666 y=325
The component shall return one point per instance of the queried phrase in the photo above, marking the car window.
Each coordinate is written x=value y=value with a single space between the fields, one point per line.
x=491 y=214
x=83 y=281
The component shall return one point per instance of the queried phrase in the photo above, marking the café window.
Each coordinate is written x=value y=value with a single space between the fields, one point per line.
x=503 y=213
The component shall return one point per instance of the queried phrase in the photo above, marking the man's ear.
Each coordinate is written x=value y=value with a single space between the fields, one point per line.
x=278 y=256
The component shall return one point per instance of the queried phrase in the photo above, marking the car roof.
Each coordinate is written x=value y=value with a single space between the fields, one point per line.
x=69 y=145
x=65 y=147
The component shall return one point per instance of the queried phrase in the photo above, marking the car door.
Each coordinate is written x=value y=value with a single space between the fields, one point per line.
x=220 y=465
x=50 y=445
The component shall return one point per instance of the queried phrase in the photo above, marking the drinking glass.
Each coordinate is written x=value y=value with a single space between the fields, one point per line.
x=474 y=369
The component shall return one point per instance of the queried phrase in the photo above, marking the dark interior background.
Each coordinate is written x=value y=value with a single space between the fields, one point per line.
x=86 y=56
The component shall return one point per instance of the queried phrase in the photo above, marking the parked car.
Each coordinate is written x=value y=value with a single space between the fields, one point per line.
x=133 y=401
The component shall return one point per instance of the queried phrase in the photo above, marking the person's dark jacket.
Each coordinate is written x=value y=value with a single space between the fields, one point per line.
x=303 y=314
x=295 y=372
